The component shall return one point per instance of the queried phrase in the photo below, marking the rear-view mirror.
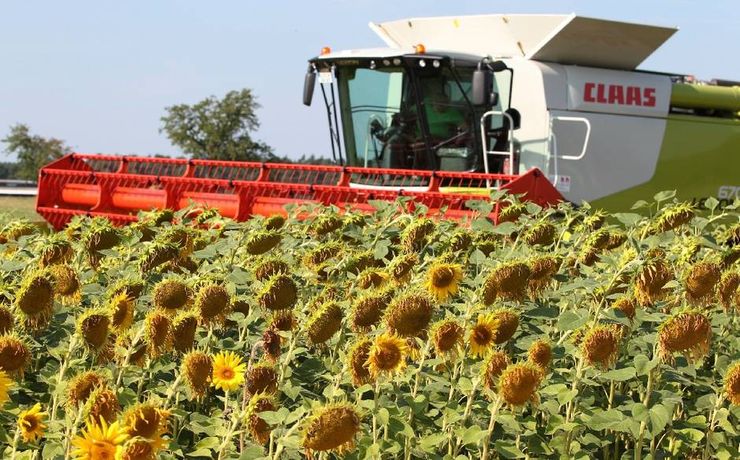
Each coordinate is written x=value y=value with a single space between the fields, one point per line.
x=308 y=86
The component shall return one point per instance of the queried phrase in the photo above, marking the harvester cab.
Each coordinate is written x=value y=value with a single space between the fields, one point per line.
x=418 y=110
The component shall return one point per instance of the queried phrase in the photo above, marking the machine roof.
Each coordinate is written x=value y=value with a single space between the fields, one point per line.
x=560 y=38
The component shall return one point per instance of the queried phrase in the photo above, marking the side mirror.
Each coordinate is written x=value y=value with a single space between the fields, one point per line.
x=516 y=117
x=498 y=66
x=482 y=85
x=309 y=83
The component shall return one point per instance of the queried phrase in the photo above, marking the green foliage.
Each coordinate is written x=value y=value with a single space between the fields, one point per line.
x=643 y=403
x=218 y=129
x=33 y=151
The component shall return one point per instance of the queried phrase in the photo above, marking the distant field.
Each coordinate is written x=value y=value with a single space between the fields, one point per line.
x=16 y=206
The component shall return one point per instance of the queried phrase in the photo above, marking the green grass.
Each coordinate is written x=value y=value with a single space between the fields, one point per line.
x=17 y=206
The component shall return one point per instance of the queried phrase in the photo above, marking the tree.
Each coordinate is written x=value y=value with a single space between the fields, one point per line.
x=33 y=151
x=218 y=129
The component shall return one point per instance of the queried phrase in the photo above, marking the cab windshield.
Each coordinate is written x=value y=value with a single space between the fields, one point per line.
x=408 y=117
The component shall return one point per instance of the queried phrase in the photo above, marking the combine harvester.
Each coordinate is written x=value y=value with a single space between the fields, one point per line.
x=549 y=106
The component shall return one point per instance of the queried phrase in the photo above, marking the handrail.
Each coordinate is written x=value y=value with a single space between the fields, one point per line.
x=484 y=143
x=554 y=142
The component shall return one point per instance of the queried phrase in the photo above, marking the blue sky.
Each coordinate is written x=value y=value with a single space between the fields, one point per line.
x=98 y=74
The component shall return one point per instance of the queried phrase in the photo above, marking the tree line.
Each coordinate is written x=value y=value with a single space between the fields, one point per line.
x=214 y=128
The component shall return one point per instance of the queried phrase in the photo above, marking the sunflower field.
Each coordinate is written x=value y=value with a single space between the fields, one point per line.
x=556 y=333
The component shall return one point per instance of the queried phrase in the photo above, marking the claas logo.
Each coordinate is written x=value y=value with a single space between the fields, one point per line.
x=601 y=93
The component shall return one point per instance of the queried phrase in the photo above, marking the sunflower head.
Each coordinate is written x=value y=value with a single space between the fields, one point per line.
x=372 y=278
x=402 y=266
x=493 y=366
x=324 y=322
x=279 y=293
x=487 y=242
x=688 y=332
x=506 y=322
x=322 y=253
x=387 y=354
x=727 y=289
x=482 y=335
x=324 y=224
x=155 y=254
x=542 y=269
x=283 y=320
x=508 y=281
x=443 y=280
x=368 y=309
x=274 y=222
x=447 y=337
x=212 y=303
x=184 y=327
x=540 y=354
x=409 y=314
x=158 y=332
x=594 y=221
x=146 y=420
x=102 y=403
x=262 y=241
x=357 y=361
x=360 y=261
x=138 y=449
x=16 y=229
x=258 y=428
x=132 y=287
x=615 y=240
x=34 y=301
x=99 y=440
x=228 y=371
x=197 y=368
x=732 y=383
x=271 y=341
x=415 y=236
x=271 y=267
x=94 y=326
x=171 y=294
x=82 y=386
x=542 y=233
x=673 y=217
x=600 y=345
x=65 y=281
x=627 y=305
x=262 y=378
x=651 y=279
x=5 y=384
x=512 y=212
x=332 y=428
x=121 y=309
x=31 y=423
x=7 y=320
x=518 y=383
x=701 y=280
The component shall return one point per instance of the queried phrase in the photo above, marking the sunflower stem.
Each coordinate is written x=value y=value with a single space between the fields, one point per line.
x=233 y=424
x=491 y=425
x=417 y=379
x=15 y=442
x=127 y=358
x=712 y=422
x=72 y=431
x=171 y=390
x=466 y=414
x=62 y=369
x=646 y=403
x=375 y=411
